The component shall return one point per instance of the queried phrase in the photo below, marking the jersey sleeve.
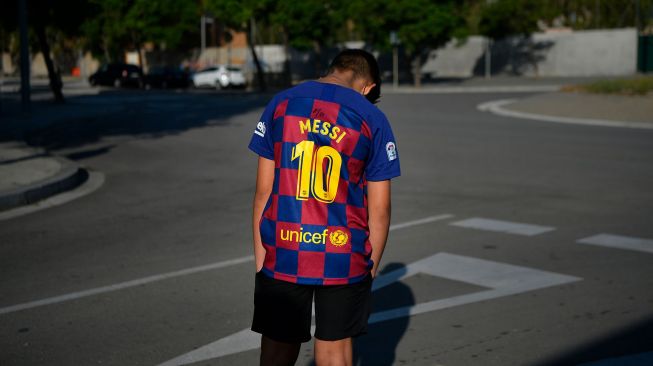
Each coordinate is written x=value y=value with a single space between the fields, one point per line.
x=261 y=142
x=383 y=160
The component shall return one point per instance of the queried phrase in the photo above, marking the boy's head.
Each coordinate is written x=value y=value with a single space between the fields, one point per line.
x=365 y=71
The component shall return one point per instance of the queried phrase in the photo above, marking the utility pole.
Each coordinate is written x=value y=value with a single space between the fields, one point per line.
x=202 y=34
x=24 y=57
x=637 y=15
x=488 y=50
x=204 y=20
x=394 y=41
x=488 y=57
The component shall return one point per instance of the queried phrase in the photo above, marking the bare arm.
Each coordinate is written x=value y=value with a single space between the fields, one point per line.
x=264 y=182
x=378 y=208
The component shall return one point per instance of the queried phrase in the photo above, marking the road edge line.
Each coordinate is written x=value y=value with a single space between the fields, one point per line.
x=497 y=107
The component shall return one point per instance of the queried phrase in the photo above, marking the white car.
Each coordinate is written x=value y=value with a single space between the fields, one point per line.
x=219 y=77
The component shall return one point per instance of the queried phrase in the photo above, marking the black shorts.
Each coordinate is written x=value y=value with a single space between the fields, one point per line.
x=282 y=310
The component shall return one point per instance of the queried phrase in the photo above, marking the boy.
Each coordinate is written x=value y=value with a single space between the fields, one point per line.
x=321 y=210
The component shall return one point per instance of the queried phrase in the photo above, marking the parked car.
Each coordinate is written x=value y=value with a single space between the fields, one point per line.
x=166 y=77
x=219 y=77
x=118 y=75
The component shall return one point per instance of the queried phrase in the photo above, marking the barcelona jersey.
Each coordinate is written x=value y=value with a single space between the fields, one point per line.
x=327 y=142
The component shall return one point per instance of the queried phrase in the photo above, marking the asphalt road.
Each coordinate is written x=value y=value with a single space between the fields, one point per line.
x=500 y=279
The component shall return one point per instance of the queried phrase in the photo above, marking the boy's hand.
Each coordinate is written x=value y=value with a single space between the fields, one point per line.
x=378 y=208
x=264 y=183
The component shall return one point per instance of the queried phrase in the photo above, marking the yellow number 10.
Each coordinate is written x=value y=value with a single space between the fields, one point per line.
x=311 y=173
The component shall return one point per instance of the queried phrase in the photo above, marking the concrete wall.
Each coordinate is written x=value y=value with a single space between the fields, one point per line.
x=581 y=53
x=86 y=63
x=225 y=55
x=455 y=59
x=270 y=56
x=302 y=63
x=589 y=53
x=8 y=66
x=37 y=64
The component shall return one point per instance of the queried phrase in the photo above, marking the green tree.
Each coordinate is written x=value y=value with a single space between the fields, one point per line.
x=422 y=25
x=240 y=15
x=47 y=19
x=588 y=14
x=105 y=33
x=121 y=24
x=503 y=18
x=8 y=27
x=306 y=25
x=164 y=22
x=310 y=24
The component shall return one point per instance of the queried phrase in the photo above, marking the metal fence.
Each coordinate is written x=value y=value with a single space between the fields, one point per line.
x=645 y=54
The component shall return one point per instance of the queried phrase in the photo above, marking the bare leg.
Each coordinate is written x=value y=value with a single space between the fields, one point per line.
x=333 y=353
x=275 y=353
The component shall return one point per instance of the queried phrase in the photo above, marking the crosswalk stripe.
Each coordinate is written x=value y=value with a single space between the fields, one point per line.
x=620 y=242
x=518 y=228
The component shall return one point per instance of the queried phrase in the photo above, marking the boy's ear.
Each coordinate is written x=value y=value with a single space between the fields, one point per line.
x=373 y=94
x=368 y=88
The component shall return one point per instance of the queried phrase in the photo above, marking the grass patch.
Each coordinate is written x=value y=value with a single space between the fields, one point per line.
x=640 y=85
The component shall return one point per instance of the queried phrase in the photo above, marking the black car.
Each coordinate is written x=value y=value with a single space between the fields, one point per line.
x=166 y=77
x=118 y=75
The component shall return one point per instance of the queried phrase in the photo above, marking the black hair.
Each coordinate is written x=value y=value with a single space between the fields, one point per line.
x=364 y=65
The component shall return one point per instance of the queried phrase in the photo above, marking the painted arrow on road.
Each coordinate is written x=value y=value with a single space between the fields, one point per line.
x=501 y=279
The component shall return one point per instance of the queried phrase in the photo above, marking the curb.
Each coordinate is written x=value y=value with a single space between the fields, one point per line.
x=478 y=89
x=498 y=107
x=70 y=176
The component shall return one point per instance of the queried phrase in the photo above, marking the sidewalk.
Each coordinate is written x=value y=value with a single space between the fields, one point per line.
x=590 y=106
x=496 y=84
x=578 y=108
x=40 y=88
x=28 y=175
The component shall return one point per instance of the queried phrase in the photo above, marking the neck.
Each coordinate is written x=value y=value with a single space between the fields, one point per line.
x=342 y=78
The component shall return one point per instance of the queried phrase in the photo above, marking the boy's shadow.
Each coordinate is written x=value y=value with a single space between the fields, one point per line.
x=379 y=345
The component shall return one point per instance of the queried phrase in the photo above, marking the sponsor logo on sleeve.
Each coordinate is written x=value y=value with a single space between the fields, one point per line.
x=391 y=150
x=260 y=129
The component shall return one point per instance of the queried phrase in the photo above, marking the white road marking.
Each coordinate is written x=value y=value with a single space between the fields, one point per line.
x=496 y=107
x=510 y=227
x=425 y=220
x=123 y=285
x=501 y=279
x=620 y=242
x=168 y=275
x=95 y=180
